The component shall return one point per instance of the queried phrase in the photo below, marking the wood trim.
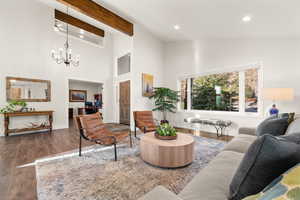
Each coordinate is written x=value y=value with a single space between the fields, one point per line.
x=8 y=86
x=70 y=95
x=31 y=113
x=101 y=14
x=78 y=23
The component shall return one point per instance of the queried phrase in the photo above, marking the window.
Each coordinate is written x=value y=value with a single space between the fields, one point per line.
x=124 y=64
x=251 y=90
x=183 y=94
x=218 y=92
x=235 y=91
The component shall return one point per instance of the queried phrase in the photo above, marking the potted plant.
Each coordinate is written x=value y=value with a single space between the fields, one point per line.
x=14 y=106
x=165 y=100
x=166 y=132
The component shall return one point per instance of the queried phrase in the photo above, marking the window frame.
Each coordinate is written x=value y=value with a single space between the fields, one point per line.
x=242 y=104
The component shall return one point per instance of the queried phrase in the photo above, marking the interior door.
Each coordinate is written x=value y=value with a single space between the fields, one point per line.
x=124 y=102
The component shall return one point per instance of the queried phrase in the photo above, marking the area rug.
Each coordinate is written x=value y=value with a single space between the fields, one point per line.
x=117 y=127
x=95 y=176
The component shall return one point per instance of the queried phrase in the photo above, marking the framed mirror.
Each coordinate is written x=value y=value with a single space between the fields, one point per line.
x=28 y=90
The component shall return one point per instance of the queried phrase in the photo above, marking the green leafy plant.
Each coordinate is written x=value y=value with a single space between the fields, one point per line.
x=12 y=106
x=165 y=100
x=166 y=130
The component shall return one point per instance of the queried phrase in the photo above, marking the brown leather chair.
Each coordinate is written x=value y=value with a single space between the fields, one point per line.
x=92 y=128
x=144 y=121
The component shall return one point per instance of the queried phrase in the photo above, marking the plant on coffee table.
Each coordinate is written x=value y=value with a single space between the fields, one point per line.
x=166 y=132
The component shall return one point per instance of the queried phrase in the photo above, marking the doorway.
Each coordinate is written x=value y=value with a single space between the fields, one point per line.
x=85 y=97
x=124 y=102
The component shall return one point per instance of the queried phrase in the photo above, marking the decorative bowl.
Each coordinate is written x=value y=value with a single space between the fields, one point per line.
x=165 y=137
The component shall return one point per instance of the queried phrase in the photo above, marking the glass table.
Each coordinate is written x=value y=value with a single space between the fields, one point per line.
x=218 y=124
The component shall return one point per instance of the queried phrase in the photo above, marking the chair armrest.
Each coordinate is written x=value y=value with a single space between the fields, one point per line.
x=160 y=193
x=247 y=131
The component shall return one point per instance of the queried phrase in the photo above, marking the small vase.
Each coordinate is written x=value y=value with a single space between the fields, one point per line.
x=19 y=108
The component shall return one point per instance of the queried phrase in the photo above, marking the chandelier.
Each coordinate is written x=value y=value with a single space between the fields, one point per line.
x=64 y=55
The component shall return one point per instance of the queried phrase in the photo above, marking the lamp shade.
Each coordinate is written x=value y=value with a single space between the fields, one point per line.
x=279 y=94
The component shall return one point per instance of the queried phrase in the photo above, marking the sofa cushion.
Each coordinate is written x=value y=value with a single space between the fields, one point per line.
x=267 y=158
x=240 y=143
x=294 y=127
x=287 y=185
x=295 y=137
x=247 y=131
x=273 y=126
x=213 y=181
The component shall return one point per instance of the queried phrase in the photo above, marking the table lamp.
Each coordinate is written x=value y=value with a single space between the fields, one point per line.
x=276 y=95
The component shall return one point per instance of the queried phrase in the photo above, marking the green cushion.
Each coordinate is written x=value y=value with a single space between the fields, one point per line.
x=285 y=187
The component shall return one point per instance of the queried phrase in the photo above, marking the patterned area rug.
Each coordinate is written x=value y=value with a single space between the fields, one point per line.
x=117 y=127
x=95 y=176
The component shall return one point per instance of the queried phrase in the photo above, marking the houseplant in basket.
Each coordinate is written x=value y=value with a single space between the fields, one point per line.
x=165 y=100
x=166 y=132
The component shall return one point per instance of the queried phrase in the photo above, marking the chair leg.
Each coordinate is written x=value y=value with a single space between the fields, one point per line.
x=130 y=139
x=80 y=145
x=134 y=131
x=115 y=148
x=145 y=130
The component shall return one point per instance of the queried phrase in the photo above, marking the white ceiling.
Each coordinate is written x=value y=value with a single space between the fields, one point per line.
x=212 y=18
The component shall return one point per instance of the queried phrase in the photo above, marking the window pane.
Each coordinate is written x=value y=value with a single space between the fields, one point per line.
x=251 y=90
x=124 y=64
x=219 y=92
x=183 y=94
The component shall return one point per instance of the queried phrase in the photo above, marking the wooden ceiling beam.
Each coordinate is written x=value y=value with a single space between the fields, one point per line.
x=78 y=23
x=101 y=14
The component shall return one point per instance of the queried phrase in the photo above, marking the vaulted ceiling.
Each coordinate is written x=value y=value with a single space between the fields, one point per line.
x=212 y=18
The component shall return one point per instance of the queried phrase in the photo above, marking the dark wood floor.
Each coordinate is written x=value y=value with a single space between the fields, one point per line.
x=20 y=183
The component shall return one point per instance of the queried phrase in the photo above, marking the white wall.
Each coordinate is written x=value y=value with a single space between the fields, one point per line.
x=26 y=39
x=280 y=59
x=122 y=45
x=147 y=56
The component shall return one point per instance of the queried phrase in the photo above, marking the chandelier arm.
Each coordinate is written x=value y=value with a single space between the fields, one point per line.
x=59 y=56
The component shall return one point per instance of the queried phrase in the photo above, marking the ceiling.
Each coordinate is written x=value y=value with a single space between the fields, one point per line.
x=211 y=18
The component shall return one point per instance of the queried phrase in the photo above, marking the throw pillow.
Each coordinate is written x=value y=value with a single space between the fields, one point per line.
x=287 y=186
x=274 y=126
x=266 y=159
x=294 y=127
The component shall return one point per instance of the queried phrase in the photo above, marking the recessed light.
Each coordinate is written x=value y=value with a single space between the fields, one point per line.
x=81 y=36
x=81 y=31
x=176 y=27
x=247 y=18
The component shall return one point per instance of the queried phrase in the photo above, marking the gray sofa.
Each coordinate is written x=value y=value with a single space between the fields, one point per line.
x=212 y=182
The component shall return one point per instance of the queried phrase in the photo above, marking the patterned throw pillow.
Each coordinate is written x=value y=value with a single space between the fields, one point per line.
x=285 y=187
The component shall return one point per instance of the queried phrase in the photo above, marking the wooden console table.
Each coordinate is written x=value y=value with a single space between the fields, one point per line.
x=7 y=116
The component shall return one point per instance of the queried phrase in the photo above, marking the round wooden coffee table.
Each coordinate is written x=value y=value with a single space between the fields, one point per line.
x=167 y=153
